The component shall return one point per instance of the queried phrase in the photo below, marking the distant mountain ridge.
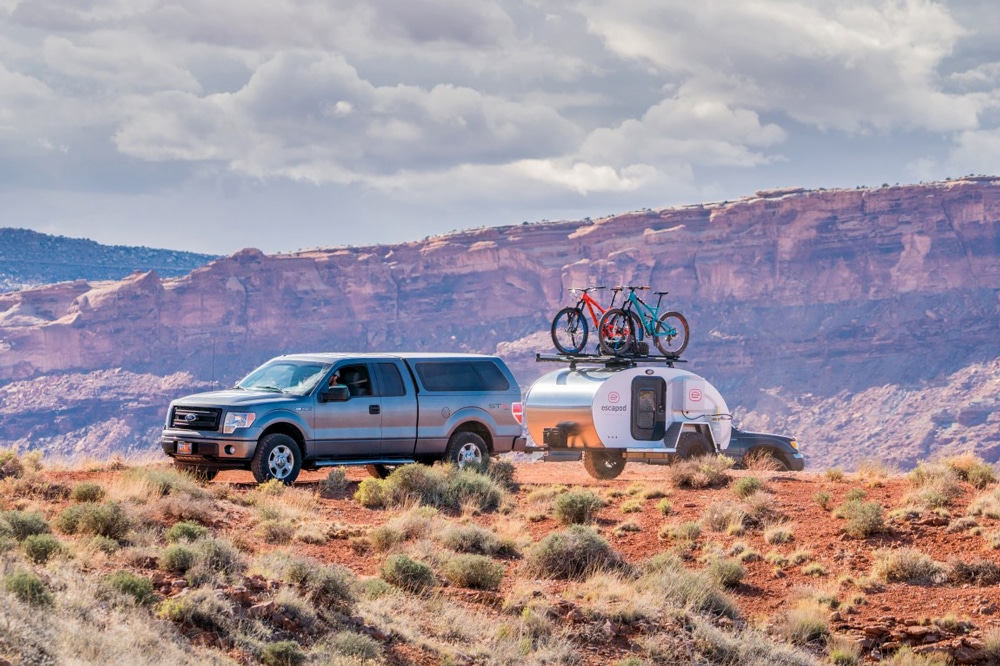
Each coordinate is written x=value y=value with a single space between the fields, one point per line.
x=31 y=259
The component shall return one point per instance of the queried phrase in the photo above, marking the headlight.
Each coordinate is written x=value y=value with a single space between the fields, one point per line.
x=236 y=420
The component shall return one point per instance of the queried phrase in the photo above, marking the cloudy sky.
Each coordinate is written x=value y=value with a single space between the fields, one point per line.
x=286 y=124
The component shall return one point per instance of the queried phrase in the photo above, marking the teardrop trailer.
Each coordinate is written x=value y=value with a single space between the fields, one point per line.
x=611 y=410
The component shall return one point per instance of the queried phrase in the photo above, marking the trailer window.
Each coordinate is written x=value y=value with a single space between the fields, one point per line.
x=461 y=375
x=648 y=408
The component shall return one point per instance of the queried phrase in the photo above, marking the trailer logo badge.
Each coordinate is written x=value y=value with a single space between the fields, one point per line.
x=694 y=395
x=614 y=397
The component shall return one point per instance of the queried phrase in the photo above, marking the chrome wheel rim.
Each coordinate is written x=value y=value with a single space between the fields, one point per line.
x=469 y=454
x=281 y=462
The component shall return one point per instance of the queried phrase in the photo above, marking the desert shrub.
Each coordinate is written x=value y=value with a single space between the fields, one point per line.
x=472 y=539
x=654 y=493
x=936 y=485
x=202 y=608
x=855 y=494
x=404 y=572
x=724 y=517
x=977 y=572
x=822 y=498
x=11 y=465
x=22 y=524
x=971 y=468
x=283 y=653
x=800 y=556
x=502 y=471
x=576 y=507
x=353 y=644
x=469 y=488
x=664 y=506
x=108 y=520
x=335 y=483
x=679 y=587
x=761 y=460
x=415 y=484
x=805 y=623
x=276 y=531
x=906 y=565
x=874 y=472
x=685 y=532
x=571 y=553
x=726 y=571
x=214 y=558
x=87 y=492
x=777 y=534
x=814 y=569
x=631 y=506
x=165 y=482
x=627 y=527
x=384 y=537
x=834 y=473
x=370 y=493
x=905 y=656
x=986 y=504
x=139 y=588
x=476 y=572
x=186 y=531
x=863 y=518
x=707 y=472
x=104 y=545
x=176 y=558
x=29 y=588
x=746 y=486
x=991 y=643
x=39 y=548
x=779 y=560
x=843 y=652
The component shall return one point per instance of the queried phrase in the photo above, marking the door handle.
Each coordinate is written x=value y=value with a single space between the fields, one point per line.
x=374 y=409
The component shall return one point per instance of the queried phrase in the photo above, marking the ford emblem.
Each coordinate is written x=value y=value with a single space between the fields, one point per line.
x=190 y=417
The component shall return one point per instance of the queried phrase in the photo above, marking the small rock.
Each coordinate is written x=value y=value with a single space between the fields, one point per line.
x=178 y=584
x=262 y=610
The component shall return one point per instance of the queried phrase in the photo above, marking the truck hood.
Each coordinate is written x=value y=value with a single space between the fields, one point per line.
x=747 y=436
x=237 y=398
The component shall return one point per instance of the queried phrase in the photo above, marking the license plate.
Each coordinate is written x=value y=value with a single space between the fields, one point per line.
x=184 y=447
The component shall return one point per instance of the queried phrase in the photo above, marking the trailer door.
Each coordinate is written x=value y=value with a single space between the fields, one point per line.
x=648 y=408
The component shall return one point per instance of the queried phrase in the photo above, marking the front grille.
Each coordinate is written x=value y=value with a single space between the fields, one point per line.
x=196 y=418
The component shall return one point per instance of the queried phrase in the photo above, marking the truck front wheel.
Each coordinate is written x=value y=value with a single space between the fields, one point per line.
x=467 y=449
x=277 y=457
x=603 y=464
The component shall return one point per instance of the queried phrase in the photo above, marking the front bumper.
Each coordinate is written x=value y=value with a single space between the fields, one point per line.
x=208 y=451
x=796 y=462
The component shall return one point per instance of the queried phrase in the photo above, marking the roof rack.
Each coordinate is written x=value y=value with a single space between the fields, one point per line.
x=608 y=361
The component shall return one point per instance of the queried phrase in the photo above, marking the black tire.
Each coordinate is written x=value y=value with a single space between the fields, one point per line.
x=467 y=449
x=277 y=457
x=199 y=472
x=380 y=471
x=616 y=332
x=570 y=331
x=672 y=334
x=603 y=464
x=693 y=445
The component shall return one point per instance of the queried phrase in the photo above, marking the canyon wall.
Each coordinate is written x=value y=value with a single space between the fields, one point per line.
x=818 y=293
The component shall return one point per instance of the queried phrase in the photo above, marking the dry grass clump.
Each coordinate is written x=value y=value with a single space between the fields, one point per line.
x=631 y=506
x=726 y=571
x=936 y=486
x=822 y=499
x=986 y=504
x=805 y=623
x=834 y=474
x=864 y=519
x=776 y=534
x=970 y=467
x=664 y=506
x=874 y=472
x=703 y=472
x=761 y=461
x=976 y=572
x=746 y=486
x=441 y=487
x=107 y=520
x=572 y=553
x=668 y=580
x=474 y=539
x=906 y=565
x=724 y=517
x=576 y=507
x=684 y=534
x=476 y=572
x=627 y=527
x=334 y=484
x=407 y=573
x=87 y=492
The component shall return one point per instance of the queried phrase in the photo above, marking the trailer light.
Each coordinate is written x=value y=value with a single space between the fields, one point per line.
x=517 y=409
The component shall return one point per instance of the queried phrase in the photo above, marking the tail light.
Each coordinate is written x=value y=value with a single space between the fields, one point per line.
x=517 y=409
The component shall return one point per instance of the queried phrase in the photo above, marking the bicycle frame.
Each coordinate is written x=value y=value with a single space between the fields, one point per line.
x=588 y=300
x=646 y=314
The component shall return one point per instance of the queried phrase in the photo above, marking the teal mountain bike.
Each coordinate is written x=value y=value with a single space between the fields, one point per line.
x=619 y=327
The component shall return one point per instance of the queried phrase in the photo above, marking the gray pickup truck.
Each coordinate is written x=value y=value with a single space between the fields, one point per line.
x=307 y=411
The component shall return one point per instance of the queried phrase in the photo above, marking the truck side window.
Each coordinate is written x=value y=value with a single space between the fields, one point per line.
x=389 y=379
x=473 y=375
x=356 y=379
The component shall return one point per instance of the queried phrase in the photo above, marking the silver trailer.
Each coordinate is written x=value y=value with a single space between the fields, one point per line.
x=611 y=413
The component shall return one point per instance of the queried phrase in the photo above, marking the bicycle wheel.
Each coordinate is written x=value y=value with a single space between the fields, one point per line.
x=671 y=335
x=569 y=331
x=615 y=334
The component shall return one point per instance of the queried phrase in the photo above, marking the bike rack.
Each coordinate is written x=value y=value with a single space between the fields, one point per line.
x=624 y=361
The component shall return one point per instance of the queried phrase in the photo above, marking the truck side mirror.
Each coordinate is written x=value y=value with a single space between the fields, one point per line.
x=337 y=393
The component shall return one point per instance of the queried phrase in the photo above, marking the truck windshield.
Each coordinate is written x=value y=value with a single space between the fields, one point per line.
x=284 y=376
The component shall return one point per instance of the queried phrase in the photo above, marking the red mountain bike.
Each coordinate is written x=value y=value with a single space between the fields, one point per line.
x=569 y=327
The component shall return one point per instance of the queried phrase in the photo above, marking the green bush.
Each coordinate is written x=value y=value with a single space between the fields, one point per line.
x=335 y=483
x=129 y=584
x=358 y=646
x=186 y=531
x=906 y=565
x=404 y=572
x=822 y=498
x=747 y=486
x=201 y=608
x=476 y=572
x=571 y=553
x=87 y=492
x=502 y=471
x=214 y=558
x=863 y=518
x=11 y=466
x=415 y=484
x=472 y=539
x=283 y=653
x=23 y=524
x=370 y=493
x=467 y=487
x=664 y=506
x=39 y=548
x=176 y=558
x=327 y=586
x=726 y=571
x=576 y=507
x=107 y=520
x=29 y=588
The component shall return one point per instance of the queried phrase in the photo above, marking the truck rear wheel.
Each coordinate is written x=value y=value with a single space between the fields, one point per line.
x=603 y=464
x=467 y=449
x=693 y=445
x=277 y=457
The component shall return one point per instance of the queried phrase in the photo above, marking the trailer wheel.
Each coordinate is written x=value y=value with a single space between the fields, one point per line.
x=603 y=464
x=693 y=445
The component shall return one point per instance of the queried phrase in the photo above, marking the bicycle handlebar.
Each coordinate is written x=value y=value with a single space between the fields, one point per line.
x=585 y=289
x=630 y=287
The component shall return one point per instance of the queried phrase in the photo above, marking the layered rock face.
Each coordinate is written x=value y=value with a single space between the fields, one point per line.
x=816 y=292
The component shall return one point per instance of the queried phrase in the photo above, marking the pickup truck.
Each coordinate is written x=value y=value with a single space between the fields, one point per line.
x=306 y=411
